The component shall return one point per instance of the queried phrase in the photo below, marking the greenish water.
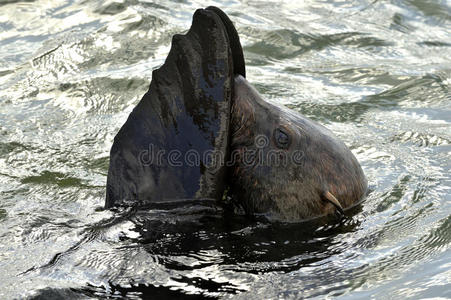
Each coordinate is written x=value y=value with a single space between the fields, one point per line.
x=377 y=73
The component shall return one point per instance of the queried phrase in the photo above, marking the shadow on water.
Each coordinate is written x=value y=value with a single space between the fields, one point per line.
x=175 y=234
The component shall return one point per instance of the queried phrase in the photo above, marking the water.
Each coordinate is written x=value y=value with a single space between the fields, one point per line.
x=377 y=73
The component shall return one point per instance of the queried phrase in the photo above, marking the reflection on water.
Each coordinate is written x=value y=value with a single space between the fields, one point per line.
x=377 y=73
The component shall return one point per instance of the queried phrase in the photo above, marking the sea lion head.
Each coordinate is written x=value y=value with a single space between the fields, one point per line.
x=285 y=165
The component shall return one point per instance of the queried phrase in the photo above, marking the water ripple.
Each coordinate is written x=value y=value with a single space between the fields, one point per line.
x=377 y=73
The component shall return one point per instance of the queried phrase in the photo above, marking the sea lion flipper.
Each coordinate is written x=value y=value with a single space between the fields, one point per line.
x=235 y=44
x=159 y=154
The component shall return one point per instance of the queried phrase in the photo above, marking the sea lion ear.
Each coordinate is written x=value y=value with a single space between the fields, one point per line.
x=161 y=152
x=239 y=66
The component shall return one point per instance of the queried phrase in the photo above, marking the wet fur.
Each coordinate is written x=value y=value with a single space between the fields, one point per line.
x=293 y=191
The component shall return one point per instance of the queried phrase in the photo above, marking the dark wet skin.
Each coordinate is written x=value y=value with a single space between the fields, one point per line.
x=187 y=108
x=281 y=164
x=295 y=168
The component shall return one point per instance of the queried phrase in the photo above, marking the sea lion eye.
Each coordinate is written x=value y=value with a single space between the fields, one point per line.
x=282 y=138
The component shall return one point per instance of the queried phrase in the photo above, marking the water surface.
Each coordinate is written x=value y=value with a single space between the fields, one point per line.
x=377 y=73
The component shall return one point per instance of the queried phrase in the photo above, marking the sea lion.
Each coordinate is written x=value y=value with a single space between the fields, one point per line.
x=270 y=159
